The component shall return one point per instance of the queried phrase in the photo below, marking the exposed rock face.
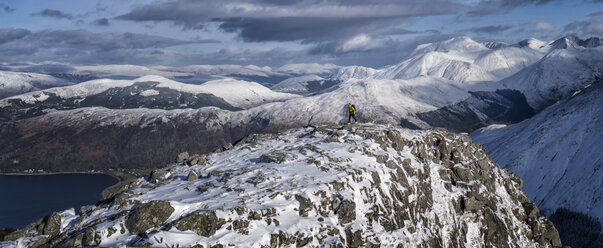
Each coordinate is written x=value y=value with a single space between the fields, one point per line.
x=352 y=186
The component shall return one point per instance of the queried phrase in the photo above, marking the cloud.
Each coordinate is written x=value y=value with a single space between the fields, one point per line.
x=359 y=43
x=486 y=7
x=10 y=34
x=6 y=8
x=516 y=3
x=101 y=22
x=82 y=46
x=492 y=29
x=542 y=26
x=591 y=27
x=304 y=20
x=57 y=14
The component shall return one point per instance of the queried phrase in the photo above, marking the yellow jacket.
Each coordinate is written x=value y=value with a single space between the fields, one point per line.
x=352 y=109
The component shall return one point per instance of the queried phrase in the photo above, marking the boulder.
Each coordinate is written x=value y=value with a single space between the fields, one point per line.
x=192 y=175
x=158 y=175
x=203 y=224
x=148 y=215
x=183 y=157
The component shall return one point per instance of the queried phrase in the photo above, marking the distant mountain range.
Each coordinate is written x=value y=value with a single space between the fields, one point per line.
x=457 y=84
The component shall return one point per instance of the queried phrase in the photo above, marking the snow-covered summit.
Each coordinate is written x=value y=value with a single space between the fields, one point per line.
x=355 y=186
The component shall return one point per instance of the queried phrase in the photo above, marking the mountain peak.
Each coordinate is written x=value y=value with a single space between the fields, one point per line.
x=358 y=185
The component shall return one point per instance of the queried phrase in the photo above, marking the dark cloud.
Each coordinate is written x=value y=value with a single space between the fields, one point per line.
x=487 y=7
x=593 y=26
x=57 y=14
x=516 y=3
x=10 y=34
x=82 y=46
x=101 y=22
x=305 y=20
x=6 y=8
x=492 y=29
x=296 y=28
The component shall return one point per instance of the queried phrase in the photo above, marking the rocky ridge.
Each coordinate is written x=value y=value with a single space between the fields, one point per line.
x=363 y=185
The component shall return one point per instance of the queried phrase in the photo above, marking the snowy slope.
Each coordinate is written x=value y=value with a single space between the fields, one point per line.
x=356 y=186
x=464 y=60
x=242 y=93
x=15 y=83
x=557 y=153
x=557 y=75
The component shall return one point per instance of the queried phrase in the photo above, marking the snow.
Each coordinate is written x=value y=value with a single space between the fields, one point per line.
x=242 y=93
x=238 y=93
x=14 y=83
x=149 y=93
x=261 y=187
x=556 y=153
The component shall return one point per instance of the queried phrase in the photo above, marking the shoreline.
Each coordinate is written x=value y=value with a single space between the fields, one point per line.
x=119 y=176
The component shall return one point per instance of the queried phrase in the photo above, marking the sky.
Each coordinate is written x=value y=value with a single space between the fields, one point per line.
x=271 y=32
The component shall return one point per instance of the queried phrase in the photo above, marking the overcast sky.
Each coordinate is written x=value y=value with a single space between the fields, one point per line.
x=271 y=32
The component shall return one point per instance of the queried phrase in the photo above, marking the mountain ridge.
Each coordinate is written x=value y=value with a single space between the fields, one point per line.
x=356 y=186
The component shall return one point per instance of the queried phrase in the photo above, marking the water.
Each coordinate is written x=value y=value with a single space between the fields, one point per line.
x=27 y=198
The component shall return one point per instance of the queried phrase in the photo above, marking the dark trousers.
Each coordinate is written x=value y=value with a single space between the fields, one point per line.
x=352 y=116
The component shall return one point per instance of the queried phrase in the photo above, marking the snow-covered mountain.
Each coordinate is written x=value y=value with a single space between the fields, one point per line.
x=356 y=186
x=557 y=75
x=428 y=99
x=15 y=83
x=557 y=153
x=144 y=92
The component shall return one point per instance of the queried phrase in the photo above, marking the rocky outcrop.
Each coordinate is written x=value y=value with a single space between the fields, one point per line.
x=203 y=224
x=352 y=186
x=148 y=215
x=39 y=232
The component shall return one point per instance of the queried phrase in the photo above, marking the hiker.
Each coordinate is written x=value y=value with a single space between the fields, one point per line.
x=352 y=112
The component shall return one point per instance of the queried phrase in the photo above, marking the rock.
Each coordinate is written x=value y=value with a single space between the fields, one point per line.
x=183 y=157
x=531 y=210
x=88 y=239
x=197 y=159
x=305 y=205
x=472 y=204
x=344 y=209
x=273 y=157
x=148 y=215
x=203 y=224
x=192 y=175
x=74 y=241
x=53 y=225
x=158 y=175
x=241 y=226
x=354 y=238
x=227 y=147
x=49 y=225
